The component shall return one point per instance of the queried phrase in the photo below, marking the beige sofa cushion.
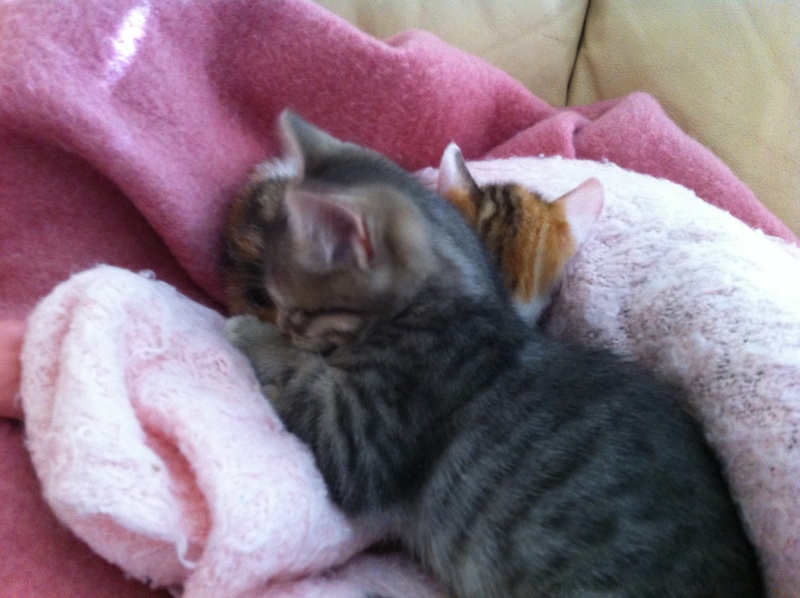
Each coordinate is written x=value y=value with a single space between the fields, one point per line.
x=727 y=72
x=535 y=42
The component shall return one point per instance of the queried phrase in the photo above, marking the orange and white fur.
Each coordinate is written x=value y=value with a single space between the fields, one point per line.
x=531 y=238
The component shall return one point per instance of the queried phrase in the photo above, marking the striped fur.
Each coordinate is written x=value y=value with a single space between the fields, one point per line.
x=509 y=463
x=530 y=238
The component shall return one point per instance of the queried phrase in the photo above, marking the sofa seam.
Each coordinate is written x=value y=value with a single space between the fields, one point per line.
x=578 y=48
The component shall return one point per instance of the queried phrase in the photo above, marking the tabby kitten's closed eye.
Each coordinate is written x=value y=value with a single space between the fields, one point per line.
x=531 y=239
x=509 y=463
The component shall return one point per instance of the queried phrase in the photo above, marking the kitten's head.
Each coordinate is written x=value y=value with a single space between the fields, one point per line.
x=531 y=239
x=352 y=241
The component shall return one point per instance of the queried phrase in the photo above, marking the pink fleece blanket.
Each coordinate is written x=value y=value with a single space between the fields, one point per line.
x=126 y=125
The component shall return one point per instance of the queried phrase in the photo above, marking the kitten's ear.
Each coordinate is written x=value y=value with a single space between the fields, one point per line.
x=454 y=175
x=304 y=145
x=329 y=234
x=582 y=207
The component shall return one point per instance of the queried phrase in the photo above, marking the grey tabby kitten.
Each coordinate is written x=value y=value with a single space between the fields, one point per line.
x=509 y=463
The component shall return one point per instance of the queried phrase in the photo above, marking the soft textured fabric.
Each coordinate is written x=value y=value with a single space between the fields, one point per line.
x=126 y=125
x=708 y=303
x=11 y=334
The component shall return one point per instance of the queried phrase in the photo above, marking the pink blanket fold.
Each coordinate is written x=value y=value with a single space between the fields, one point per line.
x=125 y=126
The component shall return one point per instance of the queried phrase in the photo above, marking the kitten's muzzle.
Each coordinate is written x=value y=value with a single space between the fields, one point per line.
x=319 y=331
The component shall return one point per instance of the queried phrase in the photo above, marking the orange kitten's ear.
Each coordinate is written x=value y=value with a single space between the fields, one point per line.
x=328 y=233
x=582 y=207
x=454 y=177
x=303 y=143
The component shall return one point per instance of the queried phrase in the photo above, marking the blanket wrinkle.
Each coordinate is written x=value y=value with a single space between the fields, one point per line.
x=11 y=335
x=134 y=165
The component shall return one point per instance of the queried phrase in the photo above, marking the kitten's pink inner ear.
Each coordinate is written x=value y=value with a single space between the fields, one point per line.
x=582 y=207
x=292 y=151
x=330 y=234
x=453 y=173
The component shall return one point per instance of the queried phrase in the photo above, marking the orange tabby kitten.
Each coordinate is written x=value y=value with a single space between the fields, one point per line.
x=531 y=239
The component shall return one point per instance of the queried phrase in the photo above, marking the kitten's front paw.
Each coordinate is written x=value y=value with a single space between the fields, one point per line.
x=268 y=351
x=247 y=332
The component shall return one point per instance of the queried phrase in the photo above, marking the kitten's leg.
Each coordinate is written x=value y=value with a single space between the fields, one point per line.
x=273 y=357
x=325 y=408
x=304 y=389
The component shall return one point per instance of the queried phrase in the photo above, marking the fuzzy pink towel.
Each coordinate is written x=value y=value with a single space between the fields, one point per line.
x=125 y=125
